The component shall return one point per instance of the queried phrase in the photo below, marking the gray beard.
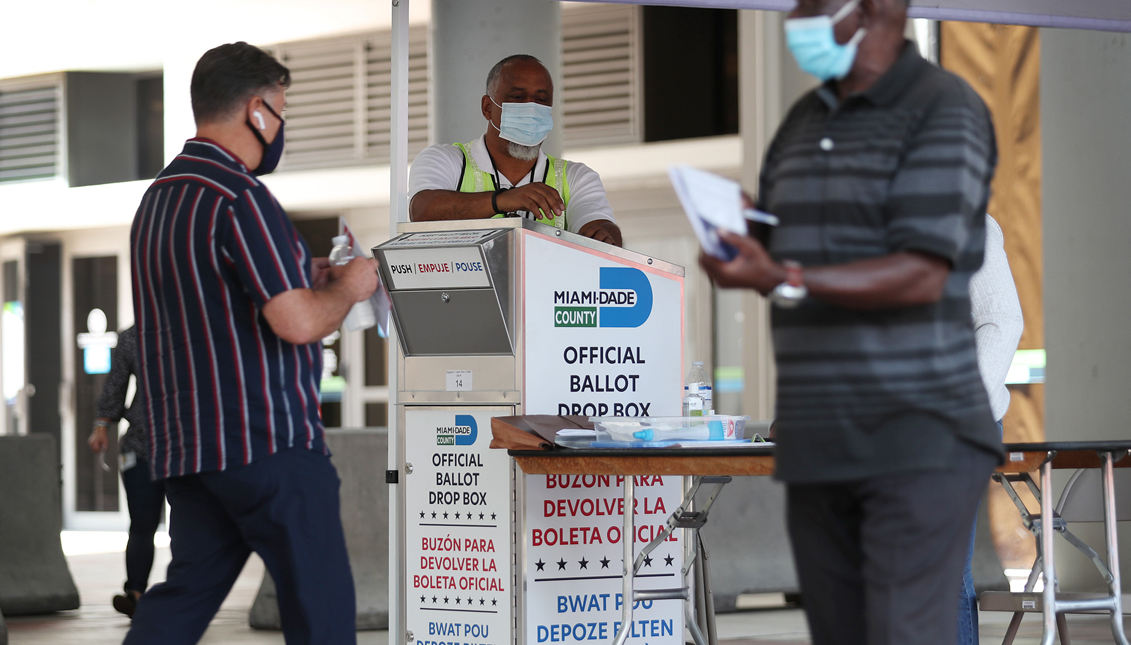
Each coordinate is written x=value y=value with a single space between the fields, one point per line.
x=522 y=153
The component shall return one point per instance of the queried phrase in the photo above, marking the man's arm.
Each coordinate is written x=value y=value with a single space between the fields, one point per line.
x=589 y=206
x=306 y=315
x=603 y=230
x=433 y=205
x=903 y=279
x=936 y=199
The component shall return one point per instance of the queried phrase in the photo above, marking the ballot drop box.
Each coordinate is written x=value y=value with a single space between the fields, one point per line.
x=504 y=317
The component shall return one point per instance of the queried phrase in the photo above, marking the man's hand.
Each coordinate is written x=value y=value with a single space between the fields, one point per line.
x=319 y=273
x=752 y=267
x=536 y=198
x=358 y=278
x=98 y=440
x=603 y=230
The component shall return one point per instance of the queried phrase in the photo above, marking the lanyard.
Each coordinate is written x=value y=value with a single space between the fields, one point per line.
x=495 y=169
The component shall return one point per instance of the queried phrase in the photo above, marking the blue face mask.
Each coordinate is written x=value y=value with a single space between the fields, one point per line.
x=272 y=152
x=527 y=124
x=814 y=45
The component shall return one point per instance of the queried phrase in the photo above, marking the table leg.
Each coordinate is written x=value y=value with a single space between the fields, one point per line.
x=1115 y=587
x=627 y=540
x=1047 y=533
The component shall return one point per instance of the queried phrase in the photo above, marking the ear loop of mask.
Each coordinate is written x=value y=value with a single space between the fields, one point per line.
x=500 y=113
x=843 y=12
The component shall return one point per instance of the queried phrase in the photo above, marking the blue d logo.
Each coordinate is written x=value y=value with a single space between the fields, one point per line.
x=466 y=420
x=630 y=279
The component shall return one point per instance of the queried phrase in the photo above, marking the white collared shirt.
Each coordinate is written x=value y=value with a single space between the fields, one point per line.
x=439 y=167
x=996 y=312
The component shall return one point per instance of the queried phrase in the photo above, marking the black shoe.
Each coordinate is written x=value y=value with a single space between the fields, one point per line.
x=125 y=604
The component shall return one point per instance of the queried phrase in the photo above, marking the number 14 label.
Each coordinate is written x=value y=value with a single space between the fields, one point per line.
x=459 y=381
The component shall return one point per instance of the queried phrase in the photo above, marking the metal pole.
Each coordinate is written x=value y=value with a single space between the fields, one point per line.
x=398 y=212
x=1112 y=539
x=627 y=540
x=1047 y=533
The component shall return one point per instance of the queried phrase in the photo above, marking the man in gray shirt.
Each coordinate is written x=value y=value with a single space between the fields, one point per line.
x=880 y=178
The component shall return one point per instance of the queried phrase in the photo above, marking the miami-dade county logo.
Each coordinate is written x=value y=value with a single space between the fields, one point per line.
x=624 y=300
x=462 y=433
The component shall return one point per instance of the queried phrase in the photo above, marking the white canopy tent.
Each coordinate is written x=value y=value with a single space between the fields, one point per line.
x=1098 y=15
x=1102 y=15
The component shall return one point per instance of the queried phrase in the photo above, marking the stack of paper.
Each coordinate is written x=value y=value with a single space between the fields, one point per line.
x=713 y=203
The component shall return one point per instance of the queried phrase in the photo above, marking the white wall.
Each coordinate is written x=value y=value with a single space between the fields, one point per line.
x=1085 y=93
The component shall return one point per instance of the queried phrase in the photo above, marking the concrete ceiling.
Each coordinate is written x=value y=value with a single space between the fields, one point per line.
x=136 y=35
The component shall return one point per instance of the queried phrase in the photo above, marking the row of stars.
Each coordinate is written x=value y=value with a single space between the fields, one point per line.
x=584 y=564
x=469 y=516
x=470 y=601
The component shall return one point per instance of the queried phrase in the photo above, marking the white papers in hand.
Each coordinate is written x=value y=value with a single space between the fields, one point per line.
x=711 y=203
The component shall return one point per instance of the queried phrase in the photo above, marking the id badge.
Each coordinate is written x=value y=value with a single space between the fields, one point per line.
x=126 y=461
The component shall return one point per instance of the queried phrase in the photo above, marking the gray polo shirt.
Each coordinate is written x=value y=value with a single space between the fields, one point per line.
x=903 y=166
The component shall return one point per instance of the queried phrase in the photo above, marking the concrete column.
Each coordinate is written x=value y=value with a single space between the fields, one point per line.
x=34 y=577
x=468 y=37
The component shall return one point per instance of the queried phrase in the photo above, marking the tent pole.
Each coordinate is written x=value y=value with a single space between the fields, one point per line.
x=398 y=212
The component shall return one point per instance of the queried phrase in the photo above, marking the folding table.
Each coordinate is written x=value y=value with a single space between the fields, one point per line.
x=1023 y=458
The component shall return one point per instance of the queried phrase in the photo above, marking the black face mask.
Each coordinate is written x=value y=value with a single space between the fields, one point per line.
x=272 y=152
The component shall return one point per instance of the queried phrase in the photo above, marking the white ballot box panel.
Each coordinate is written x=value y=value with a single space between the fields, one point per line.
x=603 y=336
x=450 y=292
x=458 y=534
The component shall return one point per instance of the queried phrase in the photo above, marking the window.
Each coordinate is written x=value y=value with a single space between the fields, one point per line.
x=690 y=72
x=29 y=130
x=338 y=105
x=600 y=84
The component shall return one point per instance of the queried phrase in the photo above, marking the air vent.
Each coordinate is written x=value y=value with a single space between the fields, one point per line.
x=338 y=104
x=29 y=132
x=600 y=87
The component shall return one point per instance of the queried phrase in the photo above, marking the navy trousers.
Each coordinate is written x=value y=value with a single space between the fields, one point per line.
x=284 y=507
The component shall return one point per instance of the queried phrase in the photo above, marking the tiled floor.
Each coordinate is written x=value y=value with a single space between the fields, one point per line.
x=99 y=577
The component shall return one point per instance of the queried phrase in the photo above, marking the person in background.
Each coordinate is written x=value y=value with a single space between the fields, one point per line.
x=144 y=496
x=505 y=172
x=880 y=178
x=998 y=324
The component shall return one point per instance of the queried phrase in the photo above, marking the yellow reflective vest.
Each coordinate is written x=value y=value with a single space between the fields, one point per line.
x=475 y=180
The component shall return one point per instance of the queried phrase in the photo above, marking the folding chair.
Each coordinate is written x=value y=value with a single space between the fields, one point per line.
x=1089 y=496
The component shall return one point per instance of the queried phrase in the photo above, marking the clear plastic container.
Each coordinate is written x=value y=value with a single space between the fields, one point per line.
x=361 y=315
x=719 y=427
x=697 y=399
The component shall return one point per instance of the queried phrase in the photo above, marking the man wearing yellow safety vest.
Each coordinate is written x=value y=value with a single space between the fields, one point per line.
x=504 y=172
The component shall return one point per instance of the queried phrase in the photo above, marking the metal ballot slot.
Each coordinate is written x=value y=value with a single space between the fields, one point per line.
x=449 y=292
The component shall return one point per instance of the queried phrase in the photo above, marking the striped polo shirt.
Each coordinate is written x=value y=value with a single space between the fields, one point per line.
x=903 y=166
x=209 y=246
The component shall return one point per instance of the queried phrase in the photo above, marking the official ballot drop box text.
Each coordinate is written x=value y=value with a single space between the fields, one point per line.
x=503 y=317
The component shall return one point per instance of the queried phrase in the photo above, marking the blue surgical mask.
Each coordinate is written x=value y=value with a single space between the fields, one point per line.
x=272 y=152
x=814 y=45
x=527 y=124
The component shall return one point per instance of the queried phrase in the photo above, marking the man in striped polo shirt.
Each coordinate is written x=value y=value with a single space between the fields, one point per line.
x=880 y=178
x=230 y=309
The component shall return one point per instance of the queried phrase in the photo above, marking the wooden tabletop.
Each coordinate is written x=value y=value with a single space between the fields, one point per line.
x=660 y=461
x=755 y=459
